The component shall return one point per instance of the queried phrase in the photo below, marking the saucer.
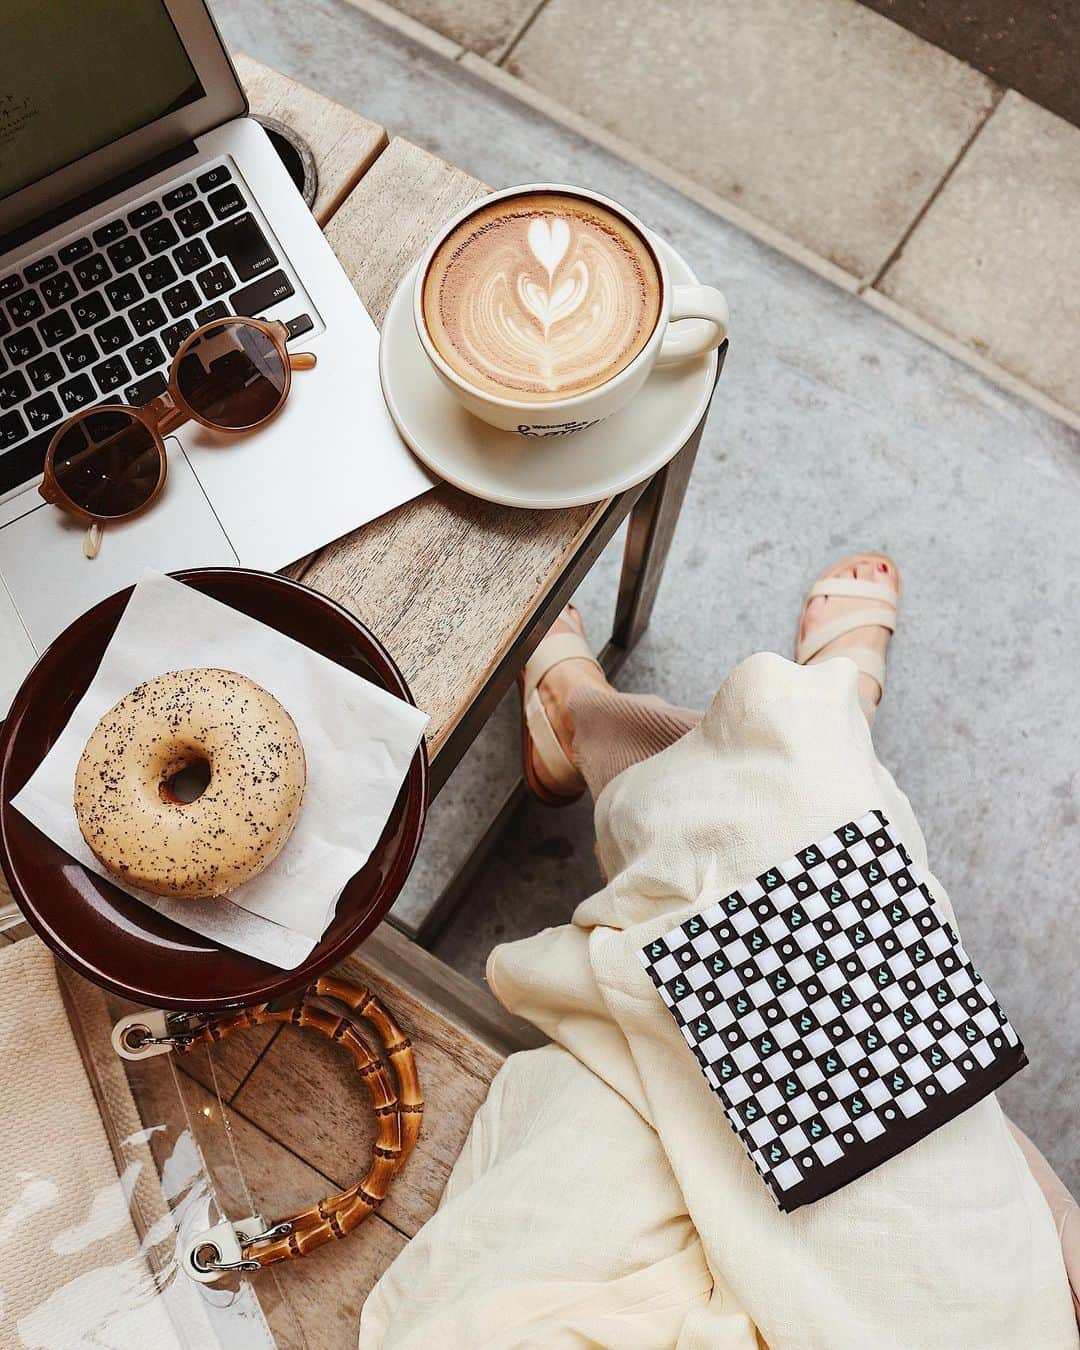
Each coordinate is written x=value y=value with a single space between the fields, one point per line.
x=550 y=472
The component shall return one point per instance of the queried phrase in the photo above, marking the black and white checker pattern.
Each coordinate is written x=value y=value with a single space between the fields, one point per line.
x=833 y=1011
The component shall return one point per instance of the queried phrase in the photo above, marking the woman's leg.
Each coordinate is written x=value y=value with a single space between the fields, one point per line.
x=612 y=730
x=605 y=731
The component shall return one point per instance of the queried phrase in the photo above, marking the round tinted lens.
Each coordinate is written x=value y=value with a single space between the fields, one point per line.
x=232 y=376
x=108 y=463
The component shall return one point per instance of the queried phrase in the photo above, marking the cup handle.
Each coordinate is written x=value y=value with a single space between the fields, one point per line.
x=707 y=309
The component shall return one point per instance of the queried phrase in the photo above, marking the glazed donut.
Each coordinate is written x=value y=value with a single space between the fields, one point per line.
x=126 y=806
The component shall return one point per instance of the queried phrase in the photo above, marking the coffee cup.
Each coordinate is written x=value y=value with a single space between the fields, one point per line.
x=543 y=309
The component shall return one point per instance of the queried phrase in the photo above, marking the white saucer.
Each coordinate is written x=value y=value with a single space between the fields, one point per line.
x=556 y=471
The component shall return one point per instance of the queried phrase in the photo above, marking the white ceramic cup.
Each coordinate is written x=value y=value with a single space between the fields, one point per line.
x=692 y=321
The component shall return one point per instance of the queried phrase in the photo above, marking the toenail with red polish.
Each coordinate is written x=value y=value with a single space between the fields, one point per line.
x=883 y=567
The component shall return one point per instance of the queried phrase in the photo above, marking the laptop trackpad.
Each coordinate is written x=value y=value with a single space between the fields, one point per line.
x=42 y=561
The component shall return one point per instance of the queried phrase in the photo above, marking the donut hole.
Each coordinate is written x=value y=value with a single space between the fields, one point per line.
x=187 y=783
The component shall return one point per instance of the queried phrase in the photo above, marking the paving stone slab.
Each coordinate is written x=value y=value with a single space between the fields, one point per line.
x=817 y=116
x=994 y=260
x=479 y=25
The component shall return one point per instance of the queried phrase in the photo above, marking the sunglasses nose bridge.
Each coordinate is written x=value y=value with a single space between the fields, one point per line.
x=165 y=414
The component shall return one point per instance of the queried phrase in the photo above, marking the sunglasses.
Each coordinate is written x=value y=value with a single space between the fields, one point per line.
x=109 y=463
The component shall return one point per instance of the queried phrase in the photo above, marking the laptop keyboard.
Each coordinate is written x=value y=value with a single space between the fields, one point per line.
x=100 y=319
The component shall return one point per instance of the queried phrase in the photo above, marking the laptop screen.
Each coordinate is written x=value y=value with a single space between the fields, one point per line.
x=76 y=75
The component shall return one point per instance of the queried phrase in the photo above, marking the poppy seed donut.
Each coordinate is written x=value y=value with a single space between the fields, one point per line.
x=142 y=832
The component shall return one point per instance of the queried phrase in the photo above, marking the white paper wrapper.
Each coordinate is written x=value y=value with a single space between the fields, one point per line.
x=359 y=741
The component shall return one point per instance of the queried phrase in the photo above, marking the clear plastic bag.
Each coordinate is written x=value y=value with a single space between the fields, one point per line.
x=109 y=1169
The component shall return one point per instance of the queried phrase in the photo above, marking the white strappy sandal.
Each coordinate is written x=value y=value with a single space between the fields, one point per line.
x=539 y=743
x=882 y=614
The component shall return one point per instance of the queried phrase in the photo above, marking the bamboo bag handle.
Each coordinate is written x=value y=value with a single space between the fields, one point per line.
x=398 y=1111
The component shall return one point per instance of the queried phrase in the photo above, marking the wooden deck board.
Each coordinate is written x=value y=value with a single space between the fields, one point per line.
x=305 y=1094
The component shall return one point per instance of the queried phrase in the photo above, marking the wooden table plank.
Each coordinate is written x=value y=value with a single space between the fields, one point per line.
x=381 y=228
x=343 y=144
x=305 y=1094
x=446 y=581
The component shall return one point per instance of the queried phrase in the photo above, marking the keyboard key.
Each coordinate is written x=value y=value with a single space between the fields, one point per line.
x=12 y=430
x=178 y=196
x=56 y=328
x=211 y=313
x=13 y=389
x=147 y=318
x=145 y=356
x=79 y=249
x=143 y=215
x=190 y=257
x=90 y=309
x=301 y=324
x=107 y=233
x=5 y=323
x=180 y=299
x=157 y=273
x=91 y=272
x=244 y=244
x=44 y=267
x=77 y=393
x=193 y=219
x=24 y=307
x=3 y=363
x=59 y=290
x=24 y=462
x=125 y=253
x=10 y=285
x=261 y=294
x=227 y=202
x=153 y=386
x=124 y=291
x=174 y=336
x=113 y=335
x=79 y=353
x=159 y=236
x=110 y=374
x=213 y=178
x=46 y=370
x=216 y=280
x=42 y=412
x=22 y=346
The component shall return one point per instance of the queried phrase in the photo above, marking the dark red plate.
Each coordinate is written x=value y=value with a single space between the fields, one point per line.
x=114 y=939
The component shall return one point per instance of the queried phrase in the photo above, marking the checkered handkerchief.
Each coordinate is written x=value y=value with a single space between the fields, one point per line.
x=833 y=1011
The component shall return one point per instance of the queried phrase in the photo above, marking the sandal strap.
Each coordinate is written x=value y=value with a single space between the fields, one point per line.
x=548 y=748
x=553 y=650
x=840 y=627
x=868 y=661
x=855 y=589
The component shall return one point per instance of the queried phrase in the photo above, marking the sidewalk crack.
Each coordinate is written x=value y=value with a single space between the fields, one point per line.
x=917 y=219
x=523 y=28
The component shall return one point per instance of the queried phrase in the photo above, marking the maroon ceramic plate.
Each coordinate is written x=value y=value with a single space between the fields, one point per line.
x=107 y=935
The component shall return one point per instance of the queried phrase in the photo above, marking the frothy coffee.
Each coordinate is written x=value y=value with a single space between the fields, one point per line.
x=541 y=296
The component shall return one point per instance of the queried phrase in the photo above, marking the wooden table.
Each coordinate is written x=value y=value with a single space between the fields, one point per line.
x=460 y=591
x=424 y=576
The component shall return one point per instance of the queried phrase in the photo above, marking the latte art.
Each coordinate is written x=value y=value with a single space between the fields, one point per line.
x=541 y=297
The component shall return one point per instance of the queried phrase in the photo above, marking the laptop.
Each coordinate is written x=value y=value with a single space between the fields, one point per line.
x=138 y=200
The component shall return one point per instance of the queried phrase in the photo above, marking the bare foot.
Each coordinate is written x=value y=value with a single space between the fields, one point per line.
x=822 y=609
x=558 y=685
